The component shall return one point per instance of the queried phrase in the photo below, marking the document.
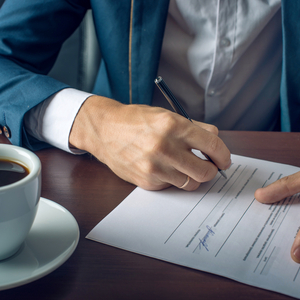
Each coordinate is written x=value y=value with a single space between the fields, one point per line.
x=219 y=228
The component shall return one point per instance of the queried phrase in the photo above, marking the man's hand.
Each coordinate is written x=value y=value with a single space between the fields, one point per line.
x=148 y=146
x=280 y=189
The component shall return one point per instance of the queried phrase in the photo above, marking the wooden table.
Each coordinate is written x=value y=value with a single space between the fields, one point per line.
x=89 y=190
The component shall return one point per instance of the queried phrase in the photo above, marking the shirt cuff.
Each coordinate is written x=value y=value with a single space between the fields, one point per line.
x=51 y=121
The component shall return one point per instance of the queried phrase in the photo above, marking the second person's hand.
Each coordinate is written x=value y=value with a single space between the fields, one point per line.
x=278 y=190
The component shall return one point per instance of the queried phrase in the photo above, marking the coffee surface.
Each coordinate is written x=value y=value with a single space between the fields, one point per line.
x=11 y=171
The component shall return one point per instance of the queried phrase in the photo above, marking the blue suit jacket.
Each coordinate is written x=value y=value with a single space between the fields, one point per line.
x=290 y=81
x=130 y=35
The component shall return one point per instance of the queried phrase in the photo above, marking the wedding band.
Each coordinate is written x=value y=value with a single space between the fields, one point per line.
x=186 y=183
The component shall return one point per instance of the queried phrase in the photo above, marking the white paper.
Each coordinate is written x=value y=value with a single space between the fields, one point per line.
x=220 y=228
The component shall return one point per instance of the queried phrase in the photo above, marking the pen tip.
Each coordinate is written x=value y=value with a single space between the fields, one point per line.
x=223 y=174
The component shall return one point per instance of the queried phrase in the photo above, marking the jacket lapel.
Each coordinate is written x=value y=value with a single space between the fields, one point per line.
x=148 y=24
x=290 y=91
x=130 y=34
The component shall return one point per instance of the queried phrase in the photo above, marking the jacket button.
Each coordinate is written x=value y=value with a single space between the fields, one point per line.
x=6 y=131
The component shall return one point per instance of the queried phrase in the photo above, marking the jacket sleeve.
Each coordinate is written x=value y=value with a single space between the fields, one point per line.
x=31 y=35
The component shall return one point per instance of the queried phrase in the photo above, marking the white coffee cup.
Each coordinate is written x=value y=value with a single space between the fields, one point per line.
x=18 y=201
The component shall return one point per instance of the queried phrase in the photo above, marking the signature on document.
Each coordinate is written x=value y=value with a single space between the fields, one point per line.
x=203 y=242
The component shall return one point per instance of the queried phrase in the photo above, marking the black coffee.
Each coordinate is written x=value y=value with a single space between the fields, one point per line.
x=11 y=171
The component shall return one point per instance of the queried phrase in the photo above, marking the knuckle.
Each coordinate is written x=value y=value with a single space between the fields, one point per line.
x=146 y=185
x=206 y=174
x=147 y=179
x=285 y=182
x=159 y=150
x=214 y=144
x=213 y=129
x=151 y=182
x=150 y=169
x=167 y=122
x=193 y=185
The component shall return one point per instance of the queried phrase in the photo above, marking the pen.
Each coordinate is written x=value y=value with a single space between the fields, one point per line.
x=178 y=108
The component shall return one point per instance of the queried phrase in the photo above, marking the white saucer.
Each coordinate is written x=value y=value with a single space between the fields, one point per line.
x=51 y=241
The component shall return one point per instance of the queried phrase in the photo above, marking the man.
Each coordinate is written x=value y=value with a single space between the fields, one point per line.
x=150 y=146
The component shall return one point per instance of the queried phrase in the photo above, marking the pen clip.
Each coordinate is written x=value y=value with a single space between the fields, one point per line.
x=170 y=97
x=158 y=81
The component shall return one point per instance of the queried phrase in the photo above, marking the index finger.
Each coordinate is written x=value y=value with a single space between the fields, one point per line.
x=211 y=128
x=280 y=189
x=211 y=145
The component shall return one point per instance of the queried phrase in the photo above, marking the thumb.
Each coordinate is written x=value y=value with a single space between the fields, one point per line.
x=295 y=251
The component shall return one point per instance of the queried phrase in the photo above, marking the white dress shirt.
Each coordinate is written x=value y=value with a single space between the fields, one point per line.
x=51 y=121
x=221 y=58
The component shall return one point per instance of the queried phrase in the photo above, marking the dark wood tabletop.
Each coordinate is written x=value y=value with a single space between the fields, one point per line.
x=89 y=190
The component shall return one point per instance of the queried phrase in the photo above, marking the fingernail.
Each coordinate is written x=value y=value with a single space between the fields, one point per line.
x=297 y=254
x=228 y=165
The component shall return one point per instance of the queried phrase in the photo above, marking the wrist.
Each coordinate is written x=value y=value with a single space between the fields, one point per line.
x=89 y=124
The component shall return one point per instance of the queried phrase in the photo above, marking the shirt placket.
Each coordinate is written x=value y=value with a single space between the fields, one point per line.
x=222 y=58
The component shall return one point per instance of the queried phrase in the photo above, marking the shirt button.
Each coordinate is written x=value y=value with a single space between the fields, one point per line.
x=225 y=42
x=6 y=131
x=211 y=92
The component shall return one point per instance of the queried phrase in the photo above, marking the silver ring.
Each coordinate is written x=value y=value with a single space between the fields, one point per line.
x=186 y=183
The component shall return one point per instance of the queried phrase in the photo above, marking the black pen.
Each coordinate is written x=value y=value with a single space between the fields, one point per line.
x=178 y=108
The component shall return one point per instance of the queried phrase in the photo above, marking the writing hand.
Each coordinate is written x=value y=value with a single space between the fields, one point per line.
x=280 y=189
x=148 y=146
